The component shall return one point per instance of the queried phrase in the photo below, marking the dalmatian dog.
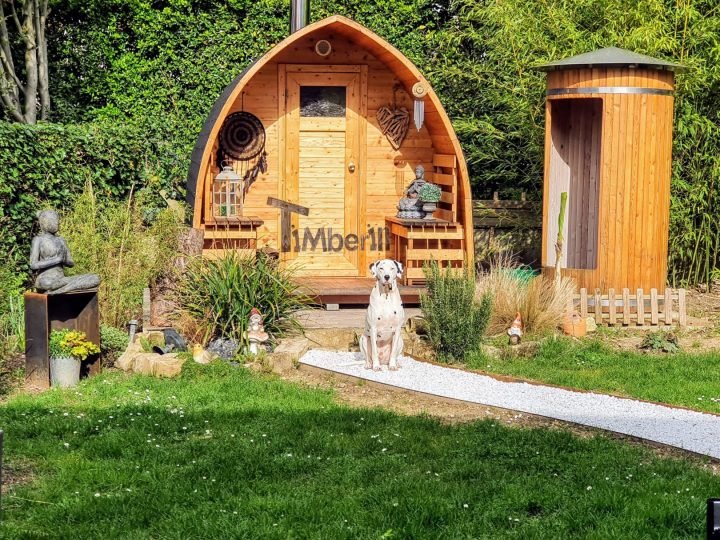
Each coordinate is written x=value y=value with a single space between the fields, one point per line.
x=382 y=343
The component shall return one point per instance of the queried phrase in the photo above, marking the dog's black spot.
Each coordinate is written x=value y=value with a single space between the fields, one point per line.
x=379 y=318
x=395 y=312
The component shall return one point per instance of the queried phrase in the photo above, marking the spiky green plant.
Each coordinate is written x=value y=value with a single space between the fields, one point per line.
x=455 y=320
x=218 y=295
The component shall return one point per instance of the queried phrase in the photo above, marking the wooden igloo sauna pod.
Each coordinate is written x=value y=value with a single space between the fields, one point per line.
x=333 y=171
x=608 y=144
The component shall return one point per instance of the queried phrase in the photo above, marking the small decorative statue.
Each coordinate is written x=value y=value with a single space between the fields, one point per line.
x=410 y=206
x=255 y=333
x=50 y=254
x=515 y=330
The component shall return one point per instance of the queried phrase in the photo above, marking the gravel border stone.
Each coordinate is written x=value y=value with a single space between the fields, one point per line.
x=690 y=430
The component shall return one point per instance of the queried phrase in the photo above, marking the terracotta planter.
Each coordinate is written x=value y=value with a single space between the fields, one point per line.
x=574 y=325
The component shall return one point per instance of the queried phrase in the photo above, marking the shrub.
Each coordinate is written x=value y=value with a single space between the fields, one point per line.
x=660 y=341
x=113 y=343
x=114 y=241
x=455 y=320
x=216 y=296
x=66 y=342
x=430 y=193
x=540 y=303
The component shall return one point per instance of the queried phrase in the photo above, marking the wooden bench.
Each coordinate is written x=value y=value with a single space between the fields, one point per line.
x=238 y=233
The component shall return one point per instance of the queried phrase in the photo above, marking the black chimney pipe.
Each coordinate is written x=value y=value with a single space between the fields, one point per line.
x=299 y=14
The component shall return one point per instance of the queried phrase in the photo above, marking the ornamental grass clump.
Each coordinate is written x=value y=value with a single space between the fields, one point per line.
x=541 y=302
x=115 y=240
x=455 y=319
x=216 y=297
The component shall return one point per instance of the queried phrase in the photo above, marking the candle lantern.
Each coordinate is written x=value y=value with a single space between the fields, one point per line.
x=227 y=194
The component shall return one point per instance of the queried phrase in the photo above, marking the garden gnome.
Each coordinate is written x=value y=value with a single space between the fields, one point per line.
x=410 y=206
x=256 y=334
x=50 y=254
x=515 y=330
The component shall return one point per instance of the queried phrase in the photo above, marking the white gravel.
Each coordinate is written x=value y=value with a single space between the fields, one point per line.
x=694 y=431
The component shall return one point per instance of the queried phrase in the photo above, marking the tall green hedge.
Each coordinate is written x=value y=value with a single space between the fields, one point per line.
x=158 y=65
x=47 y=165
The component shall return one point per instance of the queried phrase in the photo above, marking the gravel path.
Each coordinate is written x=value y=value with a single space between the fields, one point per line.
x=690 y=430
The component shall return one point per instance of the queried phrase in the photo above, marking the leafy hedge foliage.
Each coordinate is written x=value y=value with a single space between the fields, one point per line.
x=48 y=165
x=158 y=66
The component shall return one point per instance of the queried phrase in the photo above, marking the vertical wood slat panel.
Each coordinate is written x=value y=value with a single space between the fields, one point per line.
x=682 y=319
x=654 y=306
x=583 y=303
x=626 y=306
x=667 y=306
x=640 y=296
x=611 y=306
x=598 y=307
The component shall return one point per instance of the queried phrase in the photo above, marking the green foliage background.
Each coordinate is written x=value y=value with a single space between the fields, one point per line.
x=141 y=76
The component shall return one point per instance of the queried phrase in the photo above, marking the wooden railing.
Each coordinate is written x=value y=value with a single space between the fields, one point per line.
x=638 y=309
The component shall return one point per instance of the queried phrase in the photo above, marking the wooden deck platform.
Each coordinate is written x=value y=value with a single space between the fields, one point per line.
x=354 y=291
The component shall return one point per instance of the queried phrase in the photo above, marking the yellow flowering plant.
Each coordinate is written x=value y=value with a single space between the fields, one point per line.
x=72 y=343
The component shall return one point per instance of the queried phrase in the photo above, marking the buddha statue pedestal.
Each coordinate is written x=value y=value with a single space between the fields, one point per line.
x=77 y=310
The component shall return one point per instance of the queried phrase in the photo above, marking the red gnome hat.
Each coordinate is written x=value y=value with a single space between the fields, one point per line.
x=517 y=323
x=255 y=311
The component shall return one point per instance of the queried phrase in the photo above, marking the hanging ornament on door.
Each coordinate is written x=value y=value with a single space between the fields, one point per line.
x=419 y=91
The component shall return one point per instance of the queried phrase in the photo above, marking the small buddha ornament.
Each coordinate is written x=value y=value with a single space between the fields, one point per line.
x=515 y=331
x=255 y=333
x=410 y=206
x=49 y=255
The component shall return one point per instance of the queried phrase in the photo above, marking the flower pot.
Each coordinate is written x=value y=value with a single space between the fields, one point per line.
x=429 y=208
x=64 y=371
x=574 y=325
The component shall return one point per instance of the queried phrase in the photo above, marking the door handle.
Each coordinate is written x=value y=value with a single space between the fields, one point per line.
x=351 y=167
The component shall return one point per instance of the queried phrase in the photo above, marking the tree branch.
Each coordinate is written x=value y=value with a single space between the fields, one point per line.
x=17 y=21
x=31 y=64
x=12 y=105
x=41 y=13
x=5 y=38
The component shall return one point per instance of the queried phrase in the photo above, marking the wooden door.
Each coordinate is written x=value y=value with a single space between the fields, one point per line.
x=324 y=167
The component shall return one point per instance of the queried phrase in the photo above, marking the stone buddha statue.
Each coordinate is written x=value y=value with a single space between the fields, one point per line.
x=410 y=206
x=50 y=254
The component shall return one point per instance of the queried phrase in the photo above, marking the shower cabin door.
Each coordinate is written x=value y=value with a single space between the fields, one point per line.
x=322 y=166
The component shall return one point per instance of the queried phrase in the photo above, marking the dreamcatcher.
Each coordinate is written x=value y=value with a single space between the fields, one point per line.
x=242 y=145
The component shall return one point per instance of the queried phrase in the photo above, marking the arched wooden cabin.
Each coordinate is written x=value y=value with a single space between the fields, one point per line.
x=608 y=144
x=328 y=196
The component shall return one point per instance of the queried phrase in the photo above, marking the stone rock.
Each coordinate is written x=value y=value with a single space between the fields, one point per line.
x=167 y=365
x=225 y=348
x=590 y=324
x=134 y=360
x=287 y=354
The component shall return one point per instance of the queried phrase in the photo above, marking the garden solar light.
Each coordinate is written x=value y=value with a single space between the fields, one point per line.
x=713 y=519
x=133 y=324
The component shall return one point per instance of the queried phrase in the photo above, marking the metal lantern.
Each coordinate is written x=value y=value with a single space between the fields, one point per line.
x=227 y=194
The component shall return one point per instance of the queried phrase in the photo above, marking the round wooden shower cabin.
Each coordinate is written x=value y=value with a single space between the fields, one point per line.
x=608 y=144
x=326 y=196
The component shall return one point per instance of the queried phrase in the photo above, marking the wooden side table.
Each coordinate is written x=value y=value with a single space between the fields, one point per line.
x=417 y=242
x=237 y=234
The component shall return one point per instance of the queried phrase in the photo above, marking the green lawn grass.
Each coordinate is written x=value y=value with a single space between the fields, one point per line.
x=691 y=380
x=225 y=453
